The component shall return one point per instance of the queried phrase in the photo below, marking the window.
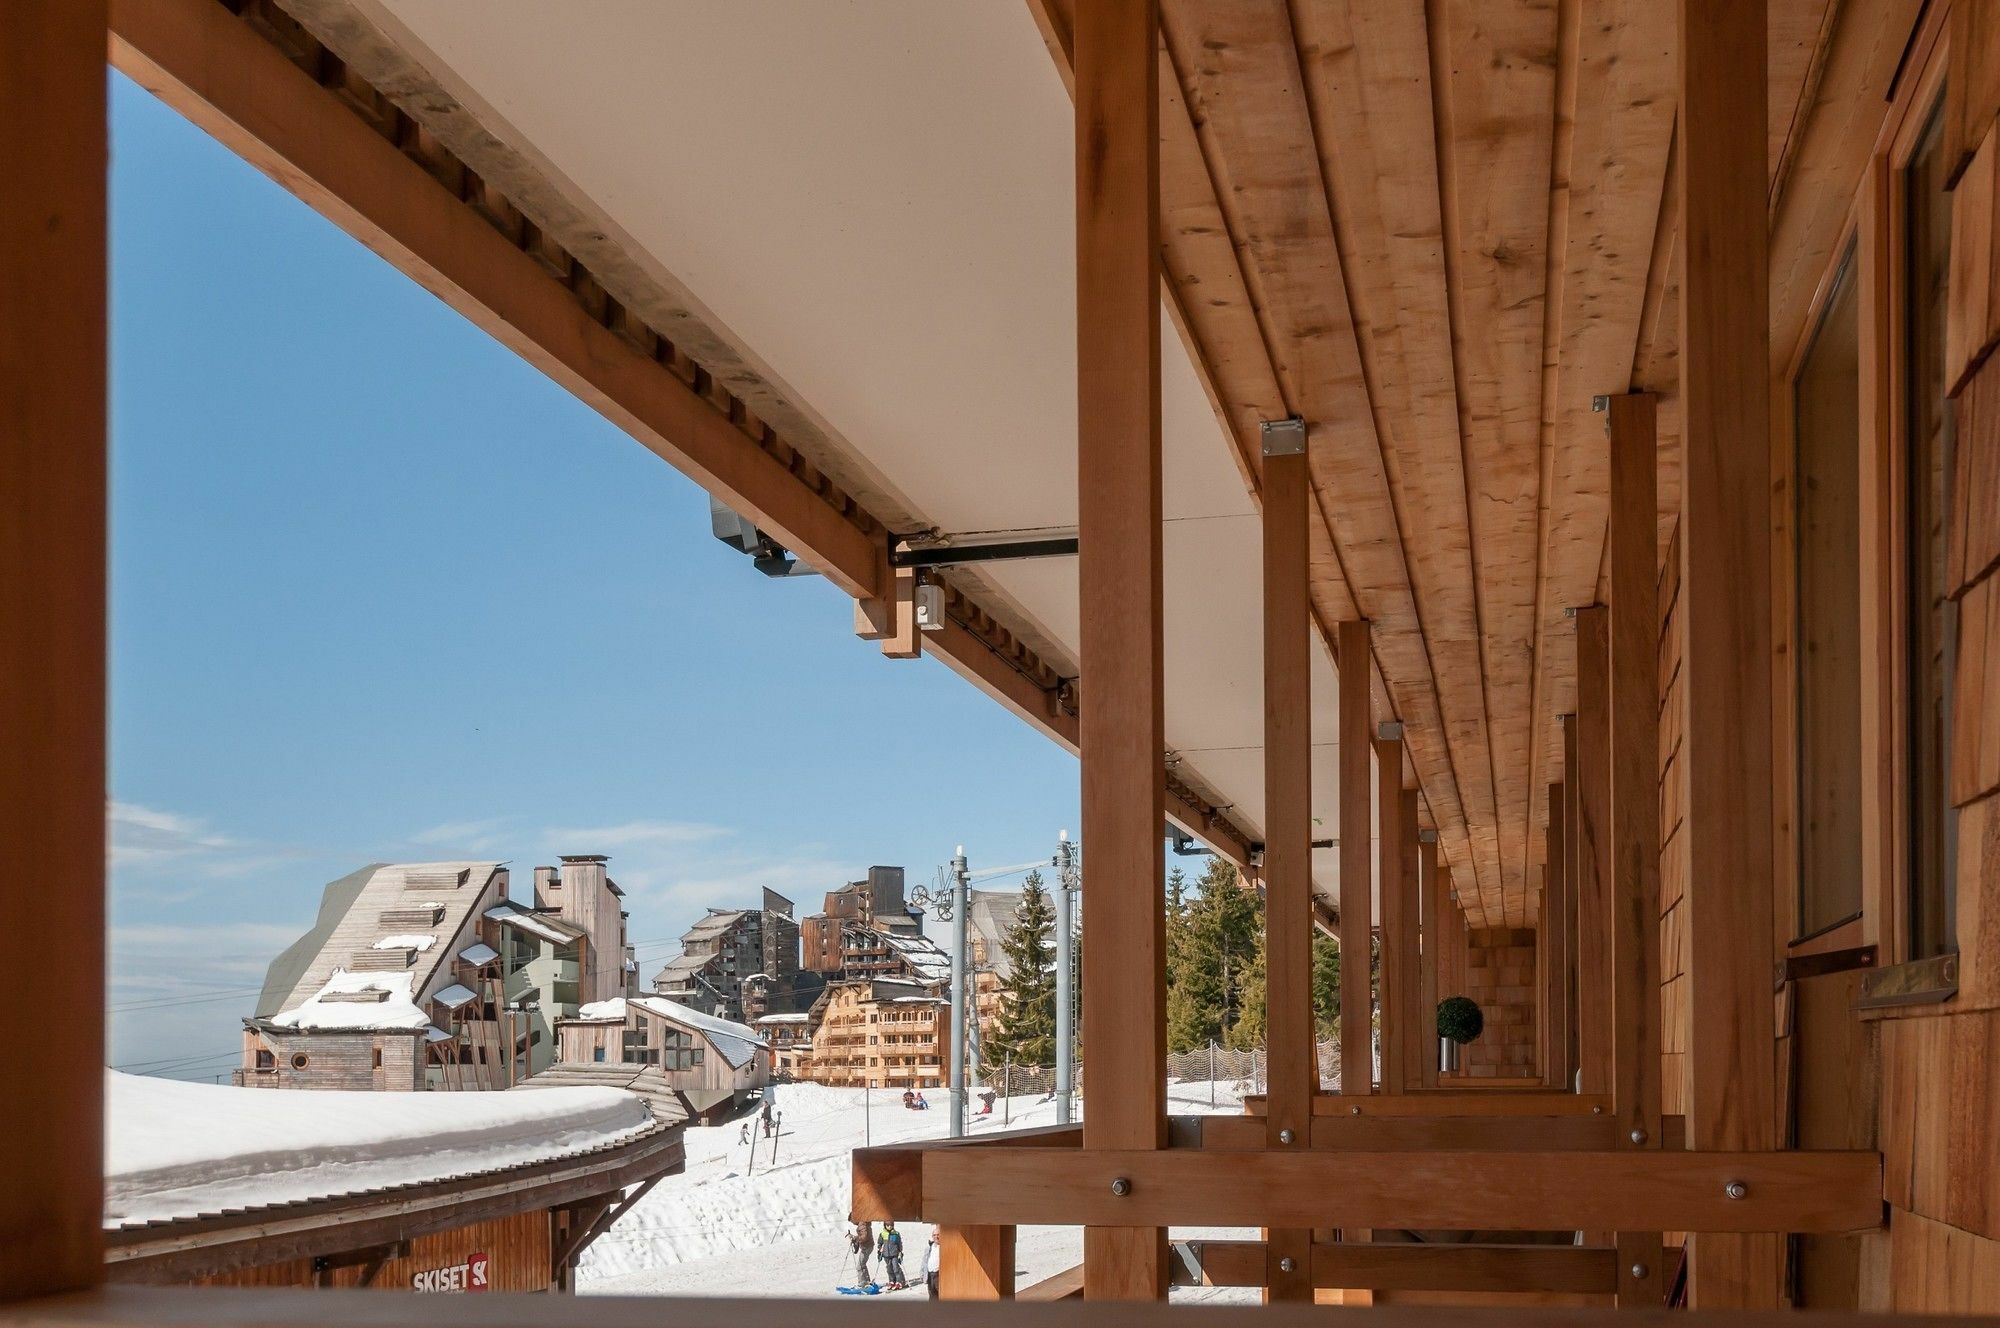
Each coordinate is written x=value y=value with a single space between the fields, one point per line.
x=299 y=1061
x=1826 y=399
x=265 y=1060
x=1929 y=623
x=597 y=1053
x=378 y=1058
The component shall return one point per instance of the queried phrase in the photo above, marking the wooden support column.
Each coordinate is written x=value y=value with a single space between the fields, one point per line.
x=975 y=1263
x=52 y=613
x=1555 y=925
x=1412 y=1030
x=1726 y=605
x=1122 y=727
x=1635 y=813
x=1357 y=1050
x=1435 y=889
x=1590 y=739
x=1287 y=872
x=1388 y=881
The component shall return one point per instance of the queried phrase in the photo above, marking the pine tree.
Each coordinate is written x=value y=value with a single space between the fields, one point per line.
x=1212 y=959
x=1027 y=1026
x=1326 y=985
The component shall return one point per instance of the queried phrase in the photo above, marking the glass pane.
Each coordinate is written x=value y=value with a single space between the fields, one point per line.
x=1928 y=421
x=1827 y=414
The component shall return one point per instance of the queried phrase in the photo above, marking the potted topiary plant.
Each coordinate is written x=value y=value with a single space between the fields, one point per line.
x=1459 y=1021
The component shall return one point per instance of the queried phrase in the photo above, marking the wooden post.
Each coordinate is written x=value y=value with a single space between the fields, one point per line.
x=1590 y=734
x=1287 y=872
x=1122 y=726
x=976 y=1263
x=1726 y=605
x=1357 y=1050
x=1555 y=926
x=1410 y=1025
x=1436 y=896
x=52 y=613
x=1635 y=813
x=1388 y=877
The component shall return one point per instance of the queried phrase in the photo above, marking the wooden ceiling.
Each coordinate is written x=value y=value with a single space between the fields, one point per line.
x=1436 y=231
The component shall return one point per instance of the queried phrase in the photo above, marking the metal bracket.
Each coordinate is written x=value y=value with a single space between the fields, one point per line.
x=1427 y=836
x=1286 y=437
x=1390 y=732
x=1600 y=404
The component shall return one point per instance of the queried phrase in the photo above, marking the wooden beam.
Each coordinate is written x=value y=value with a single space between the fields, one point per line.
x=1416 y=1025
x=1388 y=880
x=1357 y=1038
x=1480 y=1191
x=1437 y=899
x=1287 y=870
x=1412 y=1267
x=1726 y=606
x=52 y=613
x=1590 y=738
x=1555 y=927
x=1634 y=619
x=1419 y=1133
x=975 y=1262
x=1119 y=586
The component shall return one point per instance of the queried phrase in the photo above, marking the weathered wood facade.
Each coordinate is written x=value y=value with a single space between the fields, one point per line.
x=1639 y=473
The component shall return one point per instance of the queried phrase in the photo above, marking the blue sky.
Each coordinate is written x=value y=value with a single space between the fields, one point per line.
x=380 y=591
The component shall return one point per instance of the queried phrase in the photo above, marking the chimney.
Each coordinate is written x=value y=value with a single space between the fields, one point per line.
x=583 y=879
x=545 y=882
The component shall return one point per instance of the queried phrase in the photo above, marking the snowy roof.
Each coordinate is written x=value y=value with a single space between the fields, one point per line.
x=736 y=1043
x=684 y=966
x=418 y=941
x=176 y=1150
x=784 y=1019
x=602 y=1012
x=455 y=995
x=386 y=906
x=926 y=959
x=721 y=919
x=481 y=953
x=554 y=930
x=350 y=1001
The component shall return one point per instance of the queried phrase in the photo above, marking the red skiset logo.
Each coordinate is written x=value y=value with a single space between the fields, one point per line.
x=467 y=1276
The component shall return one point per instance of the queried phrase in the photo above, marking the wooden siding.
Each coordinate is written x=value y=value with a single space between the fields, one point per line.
x=517 y=1250
x=1500 y=976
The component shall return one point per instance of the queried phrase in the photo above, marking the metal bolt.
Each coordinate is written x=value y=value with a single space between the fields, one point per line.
x=1286 y=1265
x=1354 y=1111
x=1597 y=1111
x=1121 y=1187
x=1638 y=1135
x=1284 y=1136
x=1639 y=1271
x=1736 y=1189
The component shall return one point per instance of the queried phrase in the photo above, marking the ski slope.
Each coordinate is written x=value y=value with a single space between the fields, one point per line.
x=731 y=1225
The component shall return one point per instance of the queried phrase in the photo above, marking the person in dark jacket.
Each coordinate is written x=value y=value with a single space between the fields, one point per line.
x=890 y=1250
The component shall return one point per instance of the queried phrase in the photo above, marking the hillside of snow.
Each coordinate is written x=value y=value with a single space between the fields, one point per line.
x=734 y=1225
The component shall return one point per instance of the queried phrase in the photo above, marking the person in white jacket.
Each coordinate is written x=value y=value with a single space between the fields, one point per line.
x=931 y=1266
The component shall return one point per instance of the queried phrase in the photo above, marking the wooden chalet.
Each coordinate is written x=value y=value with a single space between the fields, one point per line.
x=716 y=1064
x=1535 y=475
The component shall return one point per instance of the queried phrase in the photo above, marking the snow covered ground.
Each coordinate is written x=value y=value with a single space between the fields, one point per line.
x=731 y=1226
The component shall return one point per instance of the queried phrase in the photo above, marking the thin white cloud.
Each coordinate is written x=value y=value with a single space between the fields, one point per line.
x=631 y=834
x=146 y=834
x=479 y=836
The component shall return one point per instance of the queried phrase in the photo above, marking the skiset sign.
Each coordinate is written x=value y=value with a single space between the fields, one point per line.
x=467 y=1276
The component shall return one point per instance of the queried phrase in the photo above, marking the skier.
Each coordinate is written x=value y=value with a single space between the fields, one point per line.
x=931 y=1267
x=890 y=1250
x=743 y=1135
x=862 y=1241
x=767 y=1118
